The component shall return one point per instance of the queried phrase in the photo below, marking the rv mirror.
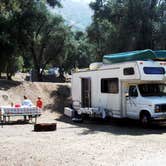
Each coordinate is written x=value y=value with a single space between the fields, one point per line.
x=126 y=95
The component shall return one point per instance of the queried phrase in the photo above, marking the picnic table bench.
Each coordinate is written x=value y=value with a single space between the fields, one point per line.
x=8 y=111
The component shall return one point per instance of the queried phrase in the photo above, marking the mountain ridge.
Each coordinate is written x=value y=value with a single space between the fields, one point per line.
x=76 y=13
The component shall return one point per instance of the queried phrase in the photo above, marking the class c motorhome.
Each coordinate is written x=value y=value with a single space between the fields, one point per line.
x=127 y=85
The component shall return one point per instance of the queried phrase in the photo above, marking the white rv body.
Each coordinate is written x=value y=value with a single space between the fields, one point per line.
x=94 y=97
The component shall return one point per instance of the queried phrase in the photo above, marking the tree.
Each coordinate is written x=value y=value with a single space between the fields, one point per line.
x=33 y=30
x=40 y=34
x=85 y=53
x=159 y=34
x=94 y=31
x=123 y=25
x=77 y=52
x=8 y=44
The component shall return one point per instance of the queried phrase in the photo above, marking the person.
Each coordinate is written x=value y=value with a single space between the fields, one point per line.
x=26 y=102
x=39 y=103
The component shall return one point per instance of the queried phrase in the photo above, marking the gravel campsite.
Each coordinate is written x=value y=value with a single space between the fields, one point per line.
x=90 y=143
x=94 y=142
x=83 y=83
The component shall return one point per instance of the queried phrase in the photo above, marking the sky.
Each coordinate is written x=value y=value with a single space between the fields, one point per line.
x=86 y=1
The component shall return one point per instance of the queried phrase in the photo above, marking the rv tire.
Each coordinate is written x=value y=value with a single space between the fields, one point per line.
x=145 y=119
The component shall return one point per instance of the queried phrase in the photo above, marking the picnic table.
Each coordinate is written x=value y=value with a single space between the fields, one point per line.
x=8 y=111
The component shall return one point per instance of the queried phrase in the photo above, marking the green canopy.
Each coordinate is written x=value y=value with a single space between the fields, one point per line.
x=160 y=54
x=134 y=56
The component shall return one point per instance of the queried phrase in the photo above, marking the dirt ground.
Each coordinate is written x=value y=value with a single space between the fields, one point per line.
x=54 y=95
x=92 y=143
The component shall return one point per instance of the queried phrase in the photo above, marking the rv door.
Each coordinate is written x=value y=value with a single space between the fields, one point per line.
x=86 y=92
x=131 y=102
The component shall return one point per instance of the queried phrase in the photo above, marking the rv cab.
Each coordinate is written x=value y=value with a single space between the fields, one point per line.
x=149 y=97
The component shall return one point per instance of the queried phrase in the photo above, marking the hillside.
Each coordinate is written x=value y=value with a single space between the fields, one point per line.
x=55 y=96
x=76 y=13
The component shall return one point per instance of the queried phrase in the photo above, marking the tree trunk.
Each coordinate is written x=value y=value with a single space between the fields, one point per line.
x=61 y=74
x=9 y=76
x=8 y=73
x=39 y=74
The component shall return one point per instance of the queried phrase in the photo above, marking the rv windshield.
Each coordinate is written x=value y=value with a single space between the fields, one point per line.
x=152 y=89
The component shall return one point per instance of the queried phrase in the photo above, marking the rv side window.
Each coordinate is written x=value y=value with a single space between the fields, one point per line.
x=109 y=85
x=128 y=71
x=154 y=70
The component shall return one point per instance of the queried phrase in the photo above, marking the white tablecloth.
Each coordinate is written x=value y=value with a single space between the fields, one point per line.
x=6 y=110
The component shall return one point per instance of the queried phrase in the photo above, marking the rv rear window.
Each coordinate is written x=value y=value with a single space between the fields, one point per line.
x=109 y=85
x=128 y=71
x=154 y=70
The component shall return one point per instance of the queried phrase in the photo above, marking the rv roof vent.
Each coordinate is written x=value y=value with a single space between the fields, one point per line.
x=96 y=65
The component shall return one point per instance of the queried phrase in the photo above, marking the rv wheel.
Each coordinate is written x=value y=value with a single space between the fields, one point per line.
x=145 y=119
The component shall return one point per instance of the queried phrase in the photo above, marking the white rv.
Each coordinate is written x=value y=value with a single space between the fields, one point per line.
x=134 y=89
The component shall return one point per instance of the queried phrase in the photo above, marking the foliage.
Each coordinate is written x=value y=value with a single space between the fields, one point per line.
x=127 y=25
x=77 y=52
x=43 y=36
x=32 y=37
x=34 y=32
x=8 y=45
x=85 y=53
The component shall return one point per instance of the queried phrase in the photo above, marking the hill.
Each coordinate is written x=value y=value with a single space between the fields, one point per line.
x=54 y=95
x=76 y=13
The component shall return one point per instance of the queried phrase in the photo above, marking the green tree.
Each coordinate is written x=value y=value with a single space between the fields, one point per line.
x=159 y=33
x=85 y=51
x=9 y=46
x=33 y=29
x=41 y=34
x=77 y=52
x=123 y=25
